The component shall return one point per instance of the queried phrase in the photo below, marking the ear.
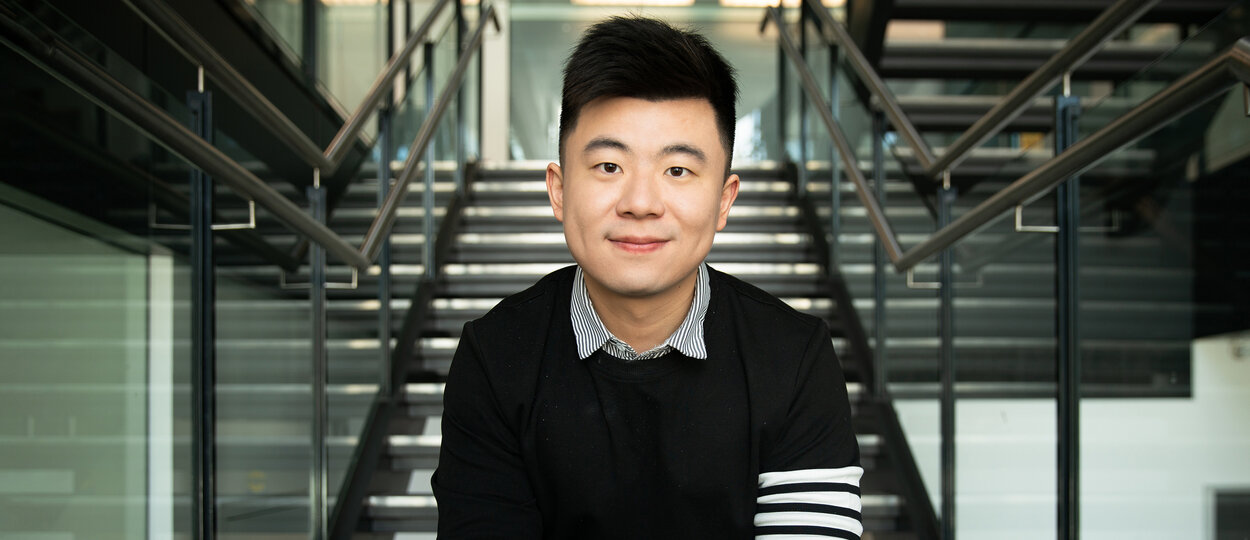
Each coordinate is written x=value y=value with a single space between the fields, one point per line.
x=555 y=190
x=728 y=194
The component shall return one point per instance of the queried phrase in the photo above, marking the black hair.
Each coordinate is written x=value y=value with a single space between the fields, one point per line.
x=647 y=59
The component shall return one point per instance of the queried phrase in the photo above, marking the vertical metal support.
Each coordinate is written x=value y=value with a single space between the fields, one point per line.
x=309 y=37
x=1067 y=326
x=386 y=149
x=946 y=329
x=203 y=332
x=317 y=297
x=783 y=153
x=460 y=136
x=835 y=178
x=427 y=198
x=384 y=258
x=481 y=61
x=879 y=259
x=801 y=186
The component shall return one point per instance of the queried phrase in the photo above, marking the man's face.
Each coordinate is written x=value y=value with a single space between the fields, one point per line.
x=642 y=193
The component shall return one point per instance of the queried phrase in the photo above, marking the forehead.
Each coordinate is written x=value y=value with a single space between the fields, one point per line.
x=648 y=124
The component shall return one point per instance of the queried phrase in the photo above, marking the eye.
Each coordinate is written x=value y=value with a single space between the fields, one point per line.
x=608 y=168
x=678 y=172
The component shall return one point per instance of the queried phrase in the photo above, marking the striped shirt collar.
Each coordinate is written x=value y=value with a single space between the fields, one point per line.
x=592 y=335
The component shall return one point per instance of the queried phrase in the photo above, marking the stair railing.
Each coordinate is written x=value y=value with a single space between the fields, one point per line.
x=56 y=56
x=1212 y=79
x=175 y=29
x=1111 y=22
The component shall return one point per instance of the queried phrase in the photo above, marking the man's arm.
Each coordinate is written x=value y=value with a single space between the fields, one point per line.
x=809 y=480
x=480 y=484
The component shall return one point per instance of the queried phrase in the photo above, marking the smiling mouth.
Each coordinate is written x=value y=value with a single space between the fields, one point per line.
x=638 y=244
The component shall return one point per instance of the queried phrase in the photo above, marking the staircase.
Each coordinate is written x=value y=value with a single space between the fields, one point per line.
x=507 y=239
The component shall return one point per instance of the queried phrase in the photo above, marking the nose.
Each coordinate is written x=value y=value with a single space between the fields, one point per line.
x=641 y=197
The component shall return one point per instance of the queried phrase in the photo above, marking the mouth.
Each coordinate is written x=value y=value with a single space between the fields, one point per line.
x=638 y=244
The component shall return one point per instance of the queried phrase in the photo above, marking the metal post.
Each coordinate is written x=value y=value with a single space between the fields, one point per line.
x=781 y=94
x=203 y=332
x=879 y=259
x=459 y=137
x=317 y=297
x=946 y=329
x=427 y=199
x=386 y=149
x=835 y=178
x=308 y=47
x=384 y=258
x=1067 y=326
x=801 y=187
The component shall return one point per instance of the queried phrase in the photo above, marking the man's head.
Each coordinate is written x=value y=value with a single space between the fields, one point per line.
x=647 y=59
x=645 y=138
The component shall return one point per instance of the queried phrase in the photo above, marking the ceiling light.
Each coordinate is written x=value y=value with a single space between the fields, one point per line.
x=658 y=3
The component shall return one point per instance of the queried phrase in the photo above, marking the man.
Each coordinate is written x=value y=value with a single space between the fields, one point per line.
x=641 y=394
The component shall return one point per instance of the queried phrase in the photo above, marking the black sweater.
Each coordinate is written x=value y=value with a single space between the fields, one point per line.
x=540 y=444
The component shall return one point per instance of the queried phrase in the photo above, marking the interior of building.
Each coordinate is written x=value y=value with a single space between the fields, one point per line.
x=239 y=240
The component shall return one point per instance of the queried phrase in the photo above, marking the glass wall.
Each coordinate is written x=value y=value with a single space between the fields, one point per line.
x=94 y=322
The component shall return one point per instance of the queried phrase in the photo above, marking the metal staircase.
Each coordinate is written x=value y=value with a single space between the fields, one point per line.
x=818 y=250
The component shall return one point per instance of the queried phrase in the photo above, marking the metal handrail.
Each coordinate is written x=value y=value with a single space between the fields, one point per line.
x=1118 y=17
x=382 y=224
x=166 y=22
x=850 y=163
x=1180 y=97
x=863 y=68
x=338 y=147
x=101 y=87
x=1114 y=20
x=188 y=41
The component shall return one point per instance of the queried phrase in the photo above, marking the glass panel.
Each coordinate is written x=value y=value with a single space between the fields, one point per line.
x=1165 y=311
x=1004 y=315
x=283 y=19
x=264 y=411
x=352 y=50
x=94 y=323
x=1212 y=38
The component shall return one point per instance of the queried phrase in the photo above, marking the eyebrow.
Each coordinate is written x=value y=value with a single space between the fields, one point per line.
x=598 y=143
x=604 y=142
x=684 y=149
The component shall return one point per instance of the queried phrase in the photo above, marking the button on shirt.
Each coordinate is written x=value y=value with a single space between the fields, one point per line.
x=592 y=335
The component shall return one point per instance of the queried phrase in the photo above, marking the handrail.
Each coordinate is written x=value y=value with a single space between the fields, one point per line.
x=1180 y=97
x=177 y=31
x=382 y=224
x=101 y=87
x=337 y=149
x=1114 y=20
x=1118 y=17
x=850 y=163
x=188 y=41
x=863 y=68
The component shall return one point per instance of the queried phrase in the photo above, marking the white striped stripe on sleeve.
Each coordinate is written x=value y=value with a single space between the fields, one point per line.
x=809 y=503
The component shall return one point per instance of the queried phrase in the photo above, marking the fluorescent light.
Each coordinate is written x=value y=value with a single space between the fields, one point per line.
x=784 y=3
x=657 y=3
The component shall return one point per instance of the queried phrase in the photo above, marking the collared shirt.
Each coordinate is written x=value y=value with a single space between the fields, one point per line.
x=592 y=335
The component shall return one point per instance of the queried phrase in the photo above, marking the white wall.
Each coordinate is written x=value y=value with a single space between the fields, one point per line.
x=1149 y=467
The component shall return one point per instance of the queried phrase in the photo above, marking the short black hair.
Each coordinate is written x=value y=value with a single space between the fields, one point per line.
x=647 y=59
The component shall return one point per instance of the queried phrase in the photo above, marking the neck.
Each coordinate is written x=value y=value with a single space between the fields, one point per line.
x=643 y=322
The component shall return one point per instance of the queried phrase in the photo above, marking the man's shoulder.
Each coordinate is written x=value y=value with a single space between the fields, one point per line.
x=758 y=307
x=527 y=311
